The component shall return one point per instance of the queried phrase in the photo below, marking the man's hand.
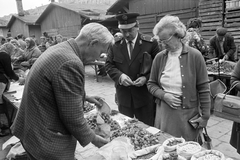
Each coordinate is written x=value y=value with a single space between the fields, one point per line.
x=202 y=122
x=125 y=80
x=94 y=99
x=140 y=81
x=99 y=141
x=172 y=100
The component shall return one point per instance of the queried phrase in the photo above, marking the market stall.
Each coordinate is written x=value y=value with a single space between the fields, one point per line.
x=133 y=138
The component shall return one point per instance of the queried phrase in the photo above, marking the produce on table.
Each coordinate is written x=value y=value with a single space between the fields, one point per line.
x=208 y=155
x=171 y=156
x=170 y=144
x=225 y=67
x=187 y=149
x=139 y=137
x=92 y=121
x=88 y=107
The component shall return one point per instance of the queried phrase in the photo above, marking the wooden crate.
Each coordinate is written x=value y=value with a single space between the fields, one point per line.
x=210 y=11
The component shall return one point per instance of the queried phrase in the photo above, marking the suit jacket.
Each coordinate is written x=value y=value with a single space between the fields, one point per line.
x=50 y=118
x=118 y=62
x=229 y=47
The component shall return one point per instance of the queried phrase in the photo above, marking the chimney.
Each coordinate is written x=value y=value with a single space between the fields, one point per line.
x=20 y=8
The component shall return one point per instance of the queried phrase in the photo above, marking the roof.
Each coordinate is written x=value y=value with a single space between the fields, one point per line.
x=28 y=19
x=3 y=23
x=91 y=11
x=119 y=4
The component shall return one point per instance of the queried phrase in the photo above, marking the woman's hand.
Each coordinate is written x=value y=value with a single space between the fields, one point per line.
x=201 y=122
x=172 y=100
x=94 y=99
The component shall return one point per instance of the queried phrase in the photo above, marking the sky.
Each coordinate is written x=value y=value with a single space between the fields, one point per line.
x=10 y=6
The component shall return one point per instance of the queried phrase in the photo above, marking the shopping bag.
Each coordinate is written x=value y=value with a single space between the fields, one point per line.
x=227 y=106
x=204 y=140
x=146 y=64
x=216 y=87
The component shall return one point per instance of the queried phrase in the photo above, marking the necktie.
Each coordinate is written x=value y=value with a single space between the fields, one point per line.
x=130 y=48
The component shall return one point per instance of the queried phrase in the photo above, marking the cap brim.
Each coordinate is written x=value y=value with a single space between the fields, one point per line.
x=126 y=26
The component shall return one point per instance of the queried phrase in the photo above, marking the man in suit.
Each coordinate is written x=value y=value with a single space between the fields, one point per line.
x=50 y=119
x=124 y=65
x=223 y=45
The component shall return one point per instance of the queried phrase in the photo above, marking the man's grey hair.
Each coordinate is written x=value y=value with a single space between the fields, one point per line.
x=96 y=31
x=170 y=22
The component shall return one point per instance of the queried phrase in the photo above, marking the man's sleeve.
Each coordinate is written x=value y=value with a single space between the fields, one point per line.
x=69 y=92
x=232 y=46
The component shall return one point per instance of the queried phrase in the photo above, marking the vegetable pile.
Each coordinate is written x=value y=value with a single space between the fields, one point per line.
x=225 y=67
x=139 y=137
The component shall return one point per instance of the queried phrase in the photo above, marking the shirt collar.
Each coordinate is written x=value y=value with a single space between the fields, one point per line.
x=134 y=40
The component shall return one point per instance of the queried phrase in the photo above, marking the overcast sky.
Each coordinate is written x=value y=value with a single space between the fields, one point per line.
x=10 y=7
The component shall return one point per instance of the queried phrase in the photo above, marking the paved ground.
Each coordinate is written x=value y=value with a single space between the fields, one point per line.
x=219 y=129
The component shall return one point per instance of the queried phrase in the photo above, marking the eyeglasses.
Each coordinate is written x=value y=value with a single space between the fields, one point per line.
x=166 y=40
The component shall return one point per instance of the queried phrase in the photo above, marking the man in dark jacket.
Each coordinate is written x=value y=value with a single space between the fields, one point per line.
x=50 y=119
x=223 y=45
x=124 y=65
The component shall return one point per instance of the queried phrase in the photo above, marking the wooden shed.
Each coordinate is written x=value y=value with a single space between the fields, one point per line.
x=151 y=11
x=67 y=18
x=24 y=25
x=3 y=31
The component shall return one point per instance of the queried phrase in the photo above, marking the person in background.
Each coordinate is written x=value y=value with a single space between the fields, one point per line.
x=2 y=40
x=18 y=51
x=42 y=46
x=222 y=46
x=179 y=90
x=118 y=36
x=195 y=39
x=34 y=39
x=51 y=110
x=235 y=135
x=124 y=63
x=6 y=74
x=59 y=38
x=21 y=41
x=30 y=55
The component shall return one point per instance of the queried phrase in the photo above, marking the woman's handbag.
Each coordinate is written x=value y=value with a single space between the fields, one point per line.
x=204 y=140
x=227 y=106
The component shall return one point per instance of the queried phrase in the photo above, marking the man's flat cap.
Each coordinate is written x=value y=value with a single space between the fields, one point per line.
x=221 y=31
x=127 y=20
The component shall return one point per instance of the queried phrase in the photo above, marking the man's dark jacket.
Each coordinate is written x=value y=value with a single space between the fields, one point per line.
x=229 y=47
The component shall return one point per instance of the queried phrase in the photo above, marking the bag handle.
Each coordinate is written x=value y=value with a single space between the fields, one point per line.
x=230 y=89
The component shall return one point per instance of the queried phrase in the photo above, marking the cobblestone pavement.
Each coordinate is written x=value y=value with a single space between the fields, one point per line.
x=219 y=129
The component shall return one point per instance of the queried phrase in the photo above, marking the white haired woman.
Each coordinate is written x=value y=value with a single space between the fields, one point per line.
x=179 y=81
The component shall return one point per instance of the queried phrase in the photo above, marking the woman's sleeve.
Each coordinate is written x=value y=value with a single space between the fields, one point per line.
x=203 y=86
x=153 y=85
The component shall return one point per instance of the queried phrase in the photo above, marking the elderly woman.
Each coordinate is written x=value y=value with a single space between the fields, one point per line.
x=179 y=81
x=31 y=53
x=18 y=51
x=6 y=71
